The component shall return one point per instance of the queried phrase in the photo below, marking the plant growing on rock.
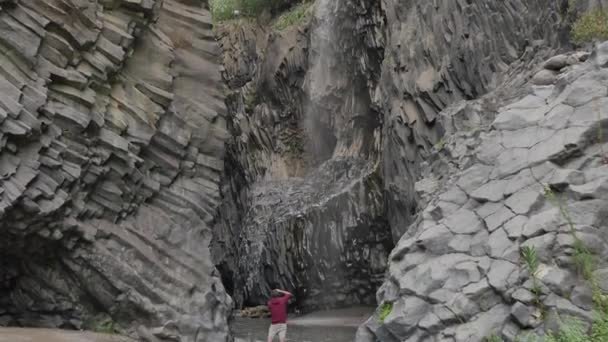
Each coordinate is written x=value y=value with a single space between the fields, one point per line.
x=294 y=16
x=230 y=9
x=532 y=262
x=493 y=338
x=583 y=259
x=591 y=26
x=102 y=324
x=385 y=310
x=440 y=145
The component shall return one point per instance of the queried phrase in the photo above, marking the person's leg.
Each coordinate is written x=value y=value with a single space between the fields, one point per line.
x=283 y=333
x=271 y=332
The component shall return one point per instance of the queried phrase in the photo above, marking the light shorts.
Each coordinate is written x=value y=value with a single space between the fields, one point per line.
x=277 y=329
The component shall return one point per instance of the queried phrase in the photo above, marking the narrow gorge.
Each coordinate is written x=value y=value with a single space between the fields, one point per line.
x=444 y=162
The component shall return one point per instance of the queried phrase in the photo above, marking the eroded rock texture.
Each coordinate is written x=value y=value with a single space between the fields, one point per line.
x=305 y=207
x=457 y=275
x=441 y=52
x=111 y=141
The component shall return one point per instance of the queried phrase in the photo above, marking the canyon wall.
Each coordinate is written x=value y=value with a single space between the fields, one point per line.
x=112 y=141
x=303 y=206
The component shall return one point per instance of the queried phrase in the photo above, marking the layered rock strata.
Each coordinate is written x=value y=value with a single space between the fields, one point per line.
x=112 y=138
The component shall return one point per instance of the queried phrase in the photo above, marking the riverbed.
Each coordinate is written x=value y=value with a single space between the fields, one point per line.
x=324 y=326
x=54 y=335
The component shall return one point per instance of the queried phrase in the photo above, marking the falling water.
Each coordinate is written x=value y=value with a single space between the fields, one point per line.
x=317 y=119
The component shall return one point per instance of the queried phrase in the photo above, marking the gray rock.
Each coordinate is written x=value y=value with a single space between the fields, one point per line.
x=498 y=244
x=546 y=221
x=502 y=275
x=405 y=316
x=491 y=191
x=515 y=226
x=498 y=218
x=545 y=77
x=585 y=89
x=564 y=177
x=463 y=222
x=95 y=175
x=524 y=296
x=435 y=239
x=454 y=195
x=557 y=117
x=602 y=278
x=483 y=325
x=474 y=177
x=582 y=296
x=482 y=293
x=556 y=62
x=525 y=315
x=542 y=244
x=565 y=308
x=596 y=189
x=522 y=202
x=559 y=281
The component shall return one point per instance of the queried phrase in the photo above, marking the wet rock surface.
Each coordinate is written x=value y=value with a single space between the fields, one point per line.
x=47 y=335
x=456 y=274
x=303 y=207
x=323 y=326
x=111 y=149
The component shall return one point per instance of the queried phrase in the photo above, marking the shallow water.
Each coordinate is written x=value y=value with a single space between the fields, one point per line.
x=327 y=326
x=54 y=335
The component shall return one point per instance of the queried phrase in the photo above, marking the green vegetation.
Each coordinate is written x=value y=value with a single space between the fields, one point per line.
x=294 y=16
x=385 y=310
x=591 y=26
x=530 y=257
x=102 y=324
x=574 y=331
x=569 y=331
x=250 y=100
x=222 y=10
x=440 y=145
x=493 y=338
x=583 y=259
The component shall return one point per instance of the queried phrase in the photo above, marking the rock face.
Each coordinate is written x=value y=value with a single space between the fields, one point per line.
x=112 y=139
x=456 y=274
x=299 y=215
x=441 y=53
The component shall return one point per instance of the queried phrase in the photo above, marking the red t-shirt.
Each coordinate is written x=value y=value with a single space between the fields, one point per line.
x=278 y=309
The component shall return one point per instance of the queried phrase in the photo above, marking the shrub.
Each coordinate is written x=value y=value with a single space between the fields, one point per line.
x=294 y=16
x=530 y=257
x=591 y=26
x=385 y=310
x=571 y=331
x=225 y=9
x=102 y=324
x=493 y=338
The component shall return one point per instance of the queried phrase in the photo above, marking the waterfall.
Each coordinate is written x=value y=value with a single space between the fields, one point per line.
x=317 y=113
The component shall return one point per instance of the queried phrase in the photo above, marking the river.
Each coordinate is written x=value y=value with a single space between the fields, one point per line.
x=325 y=326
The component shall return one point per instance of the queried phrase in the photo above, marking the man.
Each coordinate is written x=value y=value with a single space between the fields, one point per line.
x=278 y=309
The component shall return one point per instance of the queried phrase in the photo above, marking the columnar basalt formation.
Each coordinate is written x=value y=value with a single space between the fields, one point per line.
x=296 y=216
x=535 y=177
x=112 y=141
x=442 y=52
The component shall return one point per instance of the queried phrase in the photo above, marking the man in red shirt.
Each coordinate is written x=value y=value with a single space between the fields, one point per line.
x=278 y=309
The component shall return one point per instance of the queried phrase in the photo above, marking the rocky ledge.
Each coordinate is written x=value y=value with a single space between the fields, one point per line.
x=535 y=177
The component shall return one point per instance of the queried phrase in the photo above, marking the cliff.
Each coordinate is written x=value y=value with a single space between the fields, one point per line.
x=112 y=143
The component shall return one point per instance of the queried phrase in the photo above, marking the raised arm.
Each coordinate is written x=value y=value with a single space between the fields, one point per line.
x=284 y=292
